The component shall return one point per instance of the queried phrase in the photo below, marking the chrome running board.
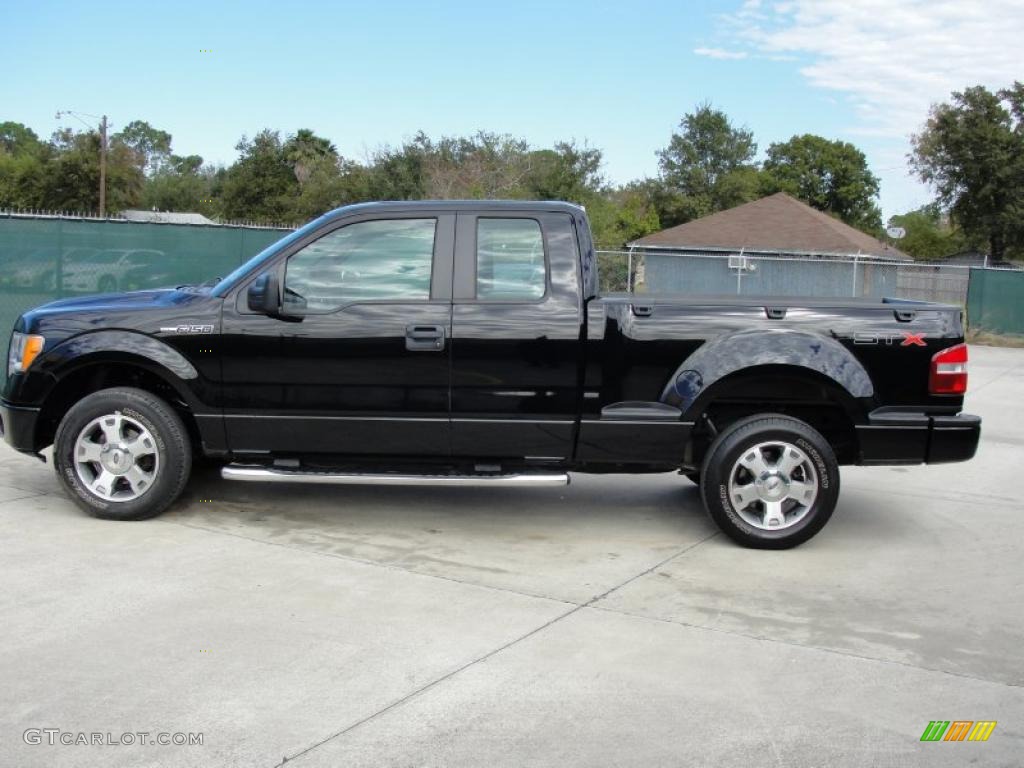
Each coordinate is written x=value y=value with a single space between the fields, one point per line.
x=268 y=475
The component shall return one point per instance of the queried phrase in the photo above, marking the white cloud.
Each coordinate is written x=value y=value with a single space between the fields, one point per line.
x=720 y=53
x=892 y=58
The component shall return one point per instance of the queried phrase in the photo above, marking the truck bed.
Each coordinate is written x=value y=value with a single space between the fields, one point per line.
x=754 y=300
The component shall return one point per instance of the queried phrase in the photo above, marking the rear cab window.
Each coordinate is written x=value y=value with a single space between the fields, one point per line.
x=510 y=262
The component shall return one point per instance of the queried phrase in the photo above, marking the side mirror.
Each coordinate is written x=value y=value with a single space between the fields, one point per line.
x=263 y=295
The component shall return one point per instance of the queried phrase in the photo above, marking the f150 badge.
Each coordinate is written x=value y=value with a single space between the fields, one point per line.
x=187 y=329
x=902 y=338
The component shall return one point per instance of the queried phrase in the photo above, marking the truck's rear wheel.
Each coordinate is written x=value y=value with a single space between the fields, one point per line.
x=770 y=482
x=122 y=454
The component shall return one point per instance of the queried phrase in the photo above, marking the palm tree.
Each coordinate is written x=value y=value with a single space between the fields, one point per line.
x=305 y=151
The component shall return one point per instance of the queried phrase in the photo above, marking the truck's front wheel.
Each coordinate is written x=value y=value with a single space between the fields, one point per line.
x=770 y=481
x=122 y=454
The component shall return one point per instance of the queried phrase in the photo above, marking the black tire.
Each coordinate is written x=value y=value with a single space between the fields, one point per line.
x=172 y=446
x=693 y=477
x=743 y=436
x=107 y=284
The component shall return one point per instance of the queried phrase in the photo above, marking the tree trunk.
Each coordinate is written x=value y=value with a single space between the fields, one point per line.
x=996 y=246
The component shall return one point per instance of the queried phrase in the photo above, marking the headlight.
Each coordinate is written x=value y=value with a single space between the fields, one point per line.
x=23 y=350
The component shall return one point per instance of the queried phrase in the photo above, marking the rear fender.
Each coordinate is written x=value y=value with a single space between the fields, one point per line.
x=736 y=352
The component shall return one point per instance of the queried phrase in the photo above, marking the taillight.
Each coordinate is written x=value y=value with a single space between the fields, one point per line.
x=948 y=375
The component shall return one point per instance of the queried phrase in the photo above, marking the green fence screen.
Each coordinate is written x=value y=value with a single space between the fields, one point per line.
x=995 y=301
x=45 y=258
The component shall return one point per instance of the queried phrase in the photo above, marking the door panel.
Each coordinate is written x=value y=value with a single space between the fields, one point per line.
x=515 y=362
x=351 y=380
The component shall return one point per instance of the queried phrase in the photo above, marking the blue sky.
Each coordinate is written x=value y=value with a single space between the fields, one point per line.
x=616 y=75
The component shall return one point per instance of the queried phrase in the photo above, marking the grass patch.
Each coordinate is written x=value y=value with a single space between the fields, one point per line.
x=989 y=339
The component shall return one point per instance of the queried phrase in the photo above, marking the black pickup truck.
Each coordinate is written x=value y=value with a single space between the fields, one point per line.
x=467 y=342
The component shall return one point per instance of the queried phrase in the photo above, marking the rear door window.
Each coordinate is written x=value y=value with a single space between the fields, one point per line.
x=510 y=263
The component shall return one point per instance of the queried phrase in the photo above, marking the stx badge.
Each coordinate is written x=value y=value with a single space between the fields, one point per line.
x=903 y=338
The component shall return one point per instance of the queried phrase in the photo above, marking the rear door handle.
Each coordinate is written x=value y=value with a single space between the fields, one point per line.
x=424 y=338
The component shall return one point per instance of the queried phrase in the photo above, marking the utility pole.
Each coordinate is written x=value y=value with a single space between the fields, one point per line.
x=103 y=166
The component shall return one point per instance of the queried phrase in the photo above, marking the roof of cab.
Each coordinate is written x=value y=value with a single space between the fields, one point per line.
x=452 y=206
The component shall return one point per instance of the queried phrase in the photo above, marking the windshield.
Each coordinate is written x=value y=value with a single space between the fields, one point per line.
x=231 y=280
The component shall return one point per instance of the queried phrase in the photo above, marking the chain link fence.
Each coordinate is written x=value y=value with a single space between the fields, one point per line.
x=711 y=274
x=993 y=297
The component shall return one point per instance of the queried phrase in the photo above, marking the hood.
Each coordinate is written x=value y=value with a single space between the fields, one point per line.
x=109 y=301
x=145 y=311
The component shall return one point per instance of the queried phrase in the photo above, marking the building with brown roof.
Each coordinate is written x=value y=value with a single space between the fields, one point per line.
x=777 y=225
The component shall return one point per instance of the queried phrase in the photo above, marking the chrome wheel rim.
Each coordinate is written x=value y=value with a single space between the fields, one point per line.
x=116 y=457
x=773 y=485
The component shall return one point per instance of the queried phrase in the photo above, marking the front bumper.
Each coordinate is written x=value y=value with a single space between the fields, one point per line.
x=913 y=437
x=18 y=426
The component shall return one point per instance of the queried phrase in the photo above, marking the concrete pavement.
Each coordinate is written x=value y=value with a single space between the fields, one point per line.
x=603 y=624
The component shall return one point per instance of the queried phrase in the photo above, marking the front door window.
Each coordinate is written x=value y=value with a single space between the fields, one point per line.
x=370 y=260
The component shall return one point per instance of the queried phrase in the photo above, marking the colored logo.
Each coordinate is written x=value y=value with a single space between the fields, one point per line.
x=958 y=730
x=916 y=339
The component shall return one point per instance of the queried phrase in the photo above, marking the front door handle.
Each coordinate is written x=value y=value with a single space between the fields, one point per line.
x=424 y=338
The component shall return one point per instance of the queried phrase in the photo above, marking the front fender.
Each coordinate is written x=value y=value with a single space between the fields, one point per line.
x=735 y=352
x=132 y=343
x=100 y=347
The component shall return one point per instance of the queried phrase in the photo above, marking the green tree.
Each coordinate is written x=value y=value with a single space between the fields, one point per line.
x=22 y=181
x=19 y=139
x=149 y=147
x=971 y=151
x=325 y=179
x=566 y=172
x=326 y=189
x=621 y=215
x=707 y=167
x=186 y=164
x=23 y=159
x=308 y=154
x=261 y=184
x=182 y=184
x=832 y=176
x=929 y=234
x=398 y=174
x=482 y=166
x=71 y=176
